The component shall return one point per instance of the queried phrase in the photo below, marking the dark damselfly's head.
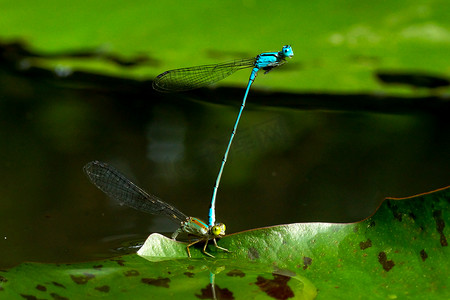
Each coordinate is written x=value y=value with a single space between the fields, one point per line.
x=287 y=51
x=217 y=230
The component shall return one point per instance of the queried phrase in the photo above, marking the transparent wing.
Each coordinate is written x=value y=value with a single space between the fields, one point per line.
x=118 y=187
x=194 y=77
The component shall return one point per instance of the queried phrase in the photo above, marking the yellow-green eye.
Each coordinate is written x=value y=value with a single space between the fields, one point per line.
x=218 y=229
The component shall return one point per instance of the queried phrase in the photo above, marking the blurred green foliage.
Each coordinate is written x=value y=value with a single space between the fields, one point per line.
x=338 y=45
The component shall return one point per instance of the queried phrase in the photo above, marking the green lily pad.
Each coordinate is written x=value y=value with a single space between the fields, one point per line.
x=399 y=252
x=132 y=277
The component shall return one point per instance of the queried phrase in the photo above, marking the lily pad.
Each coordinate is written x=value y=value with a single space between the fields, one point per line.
x=132 y=277
x=399 y=252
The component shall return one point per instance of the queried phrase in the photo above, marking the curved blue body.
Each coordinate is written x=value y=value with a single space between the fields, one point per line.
x=194 y=77
x=266 y=61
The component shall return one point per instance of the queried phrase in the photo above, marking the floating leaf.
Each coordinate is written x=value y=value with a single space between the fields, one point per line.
x=131 y=277
x=399 y=252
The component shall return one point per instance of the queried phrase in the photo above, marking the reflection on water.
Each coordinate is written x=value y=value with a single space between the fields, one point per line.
x=229 y=279
x=133 y=277
x=166 y=133
x=286 y=165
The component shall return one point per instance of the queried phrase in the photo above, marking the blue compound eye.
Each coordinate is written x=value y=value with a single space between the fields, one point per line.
x=287 y=51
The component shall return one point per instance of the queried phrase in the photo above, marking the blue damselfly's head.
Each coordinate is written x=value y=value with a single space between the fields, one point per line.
x=287 y=51
x=218 y=230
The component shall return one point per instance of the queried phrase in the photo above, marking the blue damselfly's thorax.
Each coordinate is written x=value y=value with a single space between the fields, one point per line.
x=269 y=60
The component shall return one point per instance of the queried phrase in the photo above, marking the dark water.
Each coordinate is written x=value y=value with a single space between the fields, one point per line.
x=329 y=159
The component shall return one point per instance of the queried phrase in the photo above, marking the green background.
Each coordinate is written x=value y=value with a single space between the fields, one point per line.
x=338 y=45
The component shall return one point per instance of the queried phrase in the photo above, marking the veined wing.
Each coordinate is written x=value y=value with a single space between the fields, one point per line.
x=185 y=79
x=118 y=187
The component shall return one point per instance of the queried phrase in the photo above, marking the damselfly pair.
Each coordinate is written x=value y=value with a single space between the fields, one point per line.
x=121 y=189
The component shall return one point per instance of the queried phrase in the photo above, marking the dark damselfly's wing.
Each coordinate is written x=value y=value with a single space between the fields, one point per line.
x=185 y=79
x=121 y=189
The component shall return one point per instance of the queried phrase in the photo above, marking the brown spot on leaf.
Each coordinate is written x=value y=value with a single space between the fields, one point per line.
x=82 y=279
x=58 y=284
x=236 y=273
x=365 y=245
x=41 y=288
x=3 y=279
x=161 y=282
x=120 y=262
x=131 y=273
x=307 y=261
x=394 y=209
x=217 y=293
x=98 y=267
x=440 y=224
x=387 y=264
x=29 y=297
x=276 y=288
x=252 y=253
x=189 y=274
x=58 y=297
x=103 y=288
x=423 y=255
